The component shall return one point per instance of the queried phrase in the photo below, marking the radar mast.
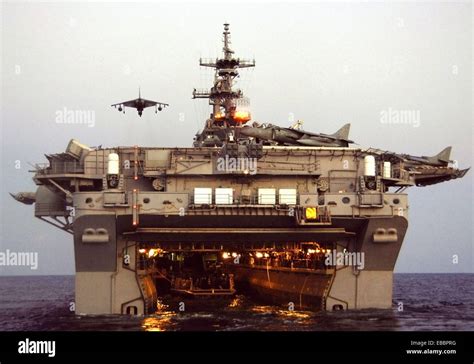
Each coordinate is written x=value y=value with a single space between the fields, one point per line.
x=224 y=99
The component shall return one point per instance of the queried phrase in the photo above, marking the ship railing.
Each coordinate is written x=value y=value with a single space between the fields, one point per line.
x=47 y=209
x=244 y=199
x=310 y=264
x=208 y=62
x=400 y=173
x=201 y=93
x=62 y=167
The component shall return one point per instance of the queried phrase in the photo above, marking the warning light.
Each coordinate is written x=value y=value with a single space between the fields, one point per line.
x=219 y=115
x=241 y=116
x=311 y=213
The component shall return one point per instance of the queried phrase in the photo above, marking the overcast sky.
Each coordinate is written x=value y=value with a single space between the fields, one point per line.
x=324 y=63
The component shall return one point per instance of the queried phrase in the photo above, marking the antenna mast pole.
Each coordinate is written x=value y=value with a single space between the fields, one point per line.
x=222 y=96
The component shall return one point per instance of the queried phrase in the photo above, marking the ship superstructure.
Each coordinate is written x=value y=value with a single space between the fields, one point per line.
x=229 y=107
x=315 y=224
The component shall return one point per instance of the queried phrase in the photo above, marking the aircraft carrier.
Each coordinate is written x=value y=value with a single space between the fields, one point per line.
x=301 y=218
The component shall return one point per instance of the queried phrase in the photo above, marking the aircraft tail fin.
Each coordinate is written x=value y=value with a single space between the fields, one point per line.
x=443 y=156
x=342 y=133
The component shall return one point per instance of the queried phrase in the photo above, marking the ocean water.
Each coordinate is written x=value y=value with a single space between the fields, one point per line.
x=431 y=302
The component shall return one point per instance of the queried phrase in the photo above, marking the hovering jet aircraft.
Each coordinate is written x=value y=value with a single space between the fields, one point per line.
x=295 y=136
x=140 y=104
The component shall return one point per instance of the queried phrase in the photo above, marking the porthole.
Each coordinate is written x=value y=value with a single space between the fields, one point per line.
x=146 y=200
x=396 y=201
x=346 y=200
x=89 y=200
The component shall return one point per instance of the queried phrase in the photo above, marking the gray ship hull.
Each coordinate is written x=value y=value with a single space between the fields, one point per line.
x=106 y=283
